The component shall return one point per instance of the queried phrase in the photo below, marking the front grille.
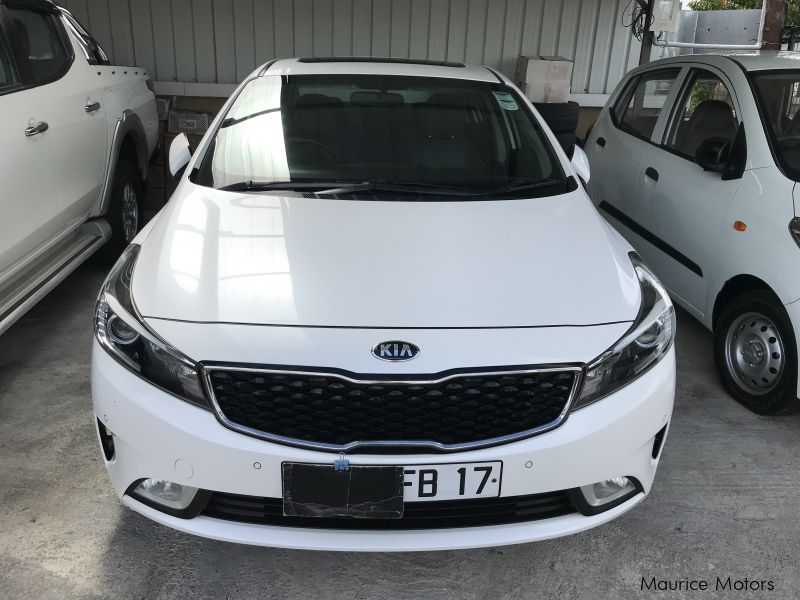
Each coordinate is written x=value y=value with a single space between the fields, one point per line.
x=416 y=515
x=338 y=412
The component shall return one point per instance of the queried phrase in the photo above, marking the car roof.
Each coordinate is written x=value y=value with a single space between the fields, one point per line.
x=749 y=60
x=378 y=66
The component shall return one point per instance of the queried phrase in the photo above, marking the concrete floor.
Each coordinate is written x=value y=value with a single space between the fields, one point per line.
x=726 y=502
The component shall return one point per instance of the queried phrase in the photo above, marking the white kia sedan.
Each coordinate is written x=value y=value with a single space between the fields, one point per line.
x=381 y=313
x=695 y=159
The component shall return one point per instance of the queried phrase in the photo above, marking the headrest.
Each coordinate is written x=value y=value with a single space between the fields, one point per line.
x=377 y=98
x=713 y=115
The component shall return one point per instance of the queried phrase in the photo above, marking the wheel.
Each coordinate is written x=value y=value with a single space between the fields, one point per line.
x=125 y=211
x=560 y=117
x=755 y=353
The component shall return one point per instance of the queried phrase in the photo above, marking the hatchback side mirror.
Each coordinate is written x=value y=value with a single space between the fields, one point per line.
x=713 y=154
x=580 y=162
x=179 y=154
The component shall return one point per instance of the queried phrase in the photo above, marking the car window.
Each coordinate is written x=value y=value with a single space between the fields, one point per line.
x=7 y=78
x=705 y=110
x=640 y=106
x=778 y=95
x=389 y=129
x=41 y=47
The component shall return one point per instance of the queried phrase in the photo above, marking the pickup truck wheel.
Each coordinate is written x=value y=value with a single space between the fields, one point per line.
x=755 y=353
x=125 y=212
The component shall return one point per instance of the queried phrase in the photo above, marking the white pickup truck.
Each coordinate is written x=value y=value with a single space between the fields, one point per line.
x=77 y=134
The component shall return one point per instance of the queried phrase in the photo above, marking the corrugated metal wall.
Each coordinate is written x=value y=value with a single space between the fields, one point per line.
x=221 y=41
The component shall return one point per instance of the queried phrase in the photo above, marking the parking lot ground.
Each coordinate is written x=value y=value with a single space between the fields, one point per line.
x=726 y=503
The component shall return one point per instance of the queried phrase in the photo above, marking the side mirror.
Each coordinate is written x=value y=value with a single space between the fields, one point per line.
x=179 y=154
x=713 y=154
x=580 y=162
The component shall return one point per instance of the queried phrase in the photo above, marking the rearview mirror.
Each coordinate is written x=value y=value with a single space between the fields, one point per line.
x=179 y=154
x=580 y=162
x=713 y=154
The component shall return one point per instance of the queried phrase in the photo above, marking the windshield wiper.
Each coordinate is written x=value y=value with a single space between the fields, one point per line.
x=520 y=186
x=427 y=189
x=259 y=186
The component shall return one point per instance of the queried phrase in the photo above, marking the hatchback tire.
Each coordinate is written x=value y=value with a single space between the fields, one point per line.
x=125 y=214
x=755 y=353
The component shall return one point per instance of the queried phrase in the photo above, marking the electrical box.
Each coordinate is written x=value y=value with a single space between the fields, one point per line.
x=666 y=14
x=544 y=78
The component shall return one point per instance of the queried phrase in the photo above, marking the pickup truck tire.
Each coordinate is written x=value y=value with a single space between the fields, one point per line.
x=755 y=353
x=126 y=208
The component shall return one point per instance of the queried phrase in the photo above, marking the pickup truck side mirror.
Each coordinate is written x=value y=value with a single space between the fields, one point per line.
x=179 y=154
x=713 y=154
x=580 y=162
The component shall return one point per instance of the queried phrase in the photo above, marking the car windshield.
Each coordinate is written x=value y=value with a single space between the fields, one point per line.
x=779 y=97
x=373 y=133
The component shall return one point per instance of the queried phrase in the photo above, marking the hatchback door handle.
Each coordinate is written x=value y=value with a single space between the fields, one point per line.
x=92 y=106
x=651 y=173
x=601 y=141
x=40 y=127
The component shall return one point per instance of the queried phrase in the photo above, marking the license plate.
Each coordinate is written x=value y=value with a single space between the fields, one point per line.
x=360 y=492
x=457 y=481
x=379 y=492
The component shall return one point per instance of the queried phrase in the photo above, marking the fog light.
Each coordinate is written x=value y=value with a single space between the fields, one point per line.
x=604 y=495
x=164 y=494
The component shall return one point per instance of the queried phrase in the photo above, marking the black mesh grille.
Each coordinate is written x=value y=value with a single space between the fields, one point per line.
x=326 y=409
x=416 y=515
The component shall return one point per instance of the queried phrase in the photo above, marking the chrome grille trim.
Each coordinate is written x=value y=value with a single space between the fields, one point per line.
x=206 y=368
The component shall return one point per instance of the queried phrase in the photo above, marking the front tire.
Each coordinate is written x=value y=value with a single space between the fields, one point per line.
x=755 y=353
x=125 y=213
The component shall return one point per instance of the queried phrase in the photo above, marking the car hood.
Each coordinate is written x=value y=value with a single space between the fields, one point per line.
x=223 y=257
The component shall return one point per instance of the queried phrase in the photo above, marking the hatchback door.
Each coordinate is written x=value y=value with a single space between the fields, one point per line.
x=622 y=136
x=679 y=209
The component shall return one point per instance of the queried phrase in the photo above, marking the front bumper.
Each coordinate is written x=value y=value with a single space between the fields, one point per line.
x=158 y=436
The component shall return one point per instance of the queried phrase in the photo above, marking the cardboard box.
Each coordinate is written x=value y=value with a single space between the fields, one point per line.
x=544 y=78
x=155 y=178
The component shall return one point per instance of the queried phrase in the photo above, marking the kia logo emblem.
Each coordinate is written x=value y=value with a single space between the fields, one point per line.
x=395 y=350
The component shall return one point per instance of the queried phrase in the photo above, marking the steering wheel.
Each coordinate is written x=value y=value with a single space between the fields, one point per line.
x=329 y=156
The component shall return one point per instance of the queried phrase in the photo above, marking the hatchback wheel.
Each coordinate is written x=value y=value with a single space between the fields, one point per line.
x=755 y=353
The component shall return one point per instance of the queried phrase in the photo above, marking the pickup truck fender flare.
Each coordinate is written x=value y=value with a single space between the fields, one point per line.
x=128 y=126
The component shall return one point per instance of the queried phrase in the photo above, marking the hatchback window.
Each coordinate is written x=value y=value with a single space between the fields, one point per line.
x=705 y=111
x=436 y=132
x=778 y=95
x=41 y=46
x=639 y=108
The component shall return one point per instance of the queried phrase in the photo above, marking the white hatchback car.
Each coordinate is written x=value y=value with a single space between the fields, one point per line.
x=380 y=313
x=695 y=159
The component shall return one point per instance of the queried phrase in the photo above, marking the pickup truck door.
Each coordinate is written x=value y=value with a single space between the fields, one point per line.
x=29 y=204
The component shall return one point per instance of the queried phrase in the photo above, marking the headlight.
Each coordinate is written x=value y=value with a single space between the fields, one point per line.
x=126 y=337
x=645 y=343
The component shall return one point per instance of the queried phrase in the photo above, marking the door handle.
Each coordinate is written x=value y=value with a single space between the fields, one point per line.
x=92 y=106
x=601 y=141
x=40 y=127
x=651 y=173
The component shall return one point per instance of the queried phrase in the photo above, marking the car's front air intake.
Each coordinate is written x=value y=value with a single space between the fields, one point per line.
x=334 y=411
